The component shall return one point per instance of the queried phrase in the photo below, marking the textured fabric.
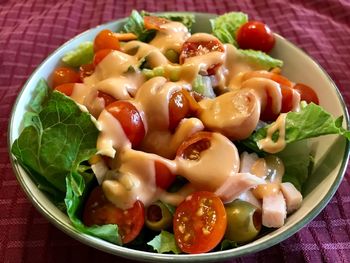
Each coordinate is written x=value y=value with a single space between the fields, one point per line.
x=31 y=30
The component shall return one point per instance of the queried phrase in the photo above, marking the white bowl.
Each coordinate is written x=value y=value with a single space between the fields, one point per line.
x=327 y=174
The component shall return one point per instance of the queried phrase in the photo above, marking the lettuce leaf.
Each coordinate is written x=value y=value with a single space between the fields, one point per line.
x=77 y=190
x=225 y=27
x=261 y=58
x=311 y=121
x=185 y=19
x=83 y=54
x=135 y=24
x=164 y=242
x=58 y=139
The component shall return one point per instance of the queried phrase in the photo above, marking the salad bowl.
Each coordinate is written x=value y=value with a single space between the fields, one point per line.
x=327 y=173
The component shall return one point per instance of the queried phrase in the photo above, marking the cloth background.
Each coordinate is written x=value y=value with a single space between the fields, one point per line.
x=31 y=30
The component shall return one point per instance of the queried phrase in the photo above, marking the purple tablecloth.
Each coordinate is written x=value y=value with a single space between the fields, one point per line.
x=31 y=30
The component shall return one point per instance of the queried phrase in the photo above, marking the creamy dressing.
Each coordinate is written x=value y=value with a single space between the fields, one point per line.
x=233 y=115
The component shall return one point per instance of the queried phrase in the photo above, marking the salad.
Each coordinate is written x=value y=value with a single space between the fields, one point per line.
x=171 y=141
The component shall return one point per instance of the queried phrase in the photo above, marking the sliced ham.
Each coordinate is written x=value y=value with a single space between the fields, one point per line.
x=246 y=161
x=250 y=198
x=236 y=185
x=274 y=210
x=292 y=196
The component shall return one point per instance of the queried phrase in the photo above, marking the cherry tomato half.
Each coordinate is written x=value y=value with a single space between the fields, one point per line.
x=154 y=22
x=63 y=75
x=255 y=35
x=106 y=40
x=194 y=145
x=106 y=97
x=306 y=93
x=99 y=211
x=197 y=48
x=130 y=119
x=86 y=70
x=199 y=222
x=164 y=177
x=179 y=108
x=66 y=88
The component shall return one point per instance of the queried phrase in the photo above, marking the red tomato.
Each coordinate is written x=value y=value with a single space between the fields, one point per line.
x=106 y=97
x=164 y=177
x=99 y=211
x=192 y=49
x=106 y=40
x=255 y=35
x=178 y=107
x=86 y=71
x=130 y=119
x=100 y=55
x=194 y=145
x=306 y=93
x=66 y=88
x=63 y=75
x=269 y=75
x=199 y=223
x=154 y=22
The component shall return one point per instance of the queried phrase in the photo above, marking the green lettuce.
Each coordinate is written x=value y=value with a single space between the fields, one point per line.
x=83 y=54
x=58 y=139
x=164 y=242
x=186 y=19
x=225 y=27
x=258 y=57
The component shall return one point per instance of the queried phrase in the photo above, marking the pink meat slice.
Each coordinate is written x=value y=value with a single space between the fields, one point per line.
x=292 y=196
x=274 y=210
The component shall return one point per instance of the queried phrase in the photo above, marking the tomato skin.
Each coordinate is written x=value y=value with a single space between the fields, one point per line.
x=164 y=177
x=194 y=144
x=106 y=97
x=306 y=93
x=130 y=120
x=99 y=211
x=66 y=88
x=106 y=40
x=100 y=55
x=154 y=22
x=63 y=75
x=255 y=35
x=179 y=108
x=199 y=222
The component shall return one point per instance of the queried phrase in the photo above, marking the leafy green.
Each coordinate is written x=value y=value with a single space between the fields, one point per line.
x=164 y=242
x=311 y=121
x=75 y=195
x=41 y=94
x=297 y=160
x=60 y=137
x=135 y=24
x=224 y=27
x=261 y=58
x=228 y=244
x=83 y=54
x=202 y=85
x=185 y=19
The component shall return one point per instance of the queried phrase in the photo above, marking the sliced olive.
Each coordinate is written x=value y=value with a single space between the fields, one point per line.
x=172 y=55
x=158 y=217
x=243 y=221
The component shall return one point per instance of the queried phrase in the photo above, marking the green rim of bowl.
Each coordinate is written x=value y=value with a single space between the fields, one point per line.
x=149 y=256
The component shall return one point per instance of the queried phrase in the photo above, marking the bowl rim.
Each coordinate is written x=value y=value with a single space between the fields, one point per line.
x=151 y=256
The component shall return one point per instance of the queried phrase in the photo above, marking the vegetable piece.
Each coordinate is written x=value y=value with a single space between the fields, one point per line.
x=192 y=147
x=86 y=70
x=306 y=93
x=179 y=108
x=203 y=86
x=158 y=217
x=130 y=120
x=83 y=54
x=100 y=55
x=243 y=221
x=154 y=22
x=196 y=48
x=262 y=190
x=106 y=39
x=224 y=27
x=260 y=58
x=164 y=242
x=66 y=88
x=135 y=25
x=164 y=177
x=106 y=97
x=59 y=139
x=172 y=55
x=255 y=35
x=99 y=211
x=78 y=187
x=185 y=19
x=199 y=222
x=63 y=75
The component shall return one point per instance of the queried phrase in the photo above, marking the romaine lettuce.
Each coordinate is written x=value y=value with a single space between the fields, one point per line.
x=83 y=54
x=164 y=242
